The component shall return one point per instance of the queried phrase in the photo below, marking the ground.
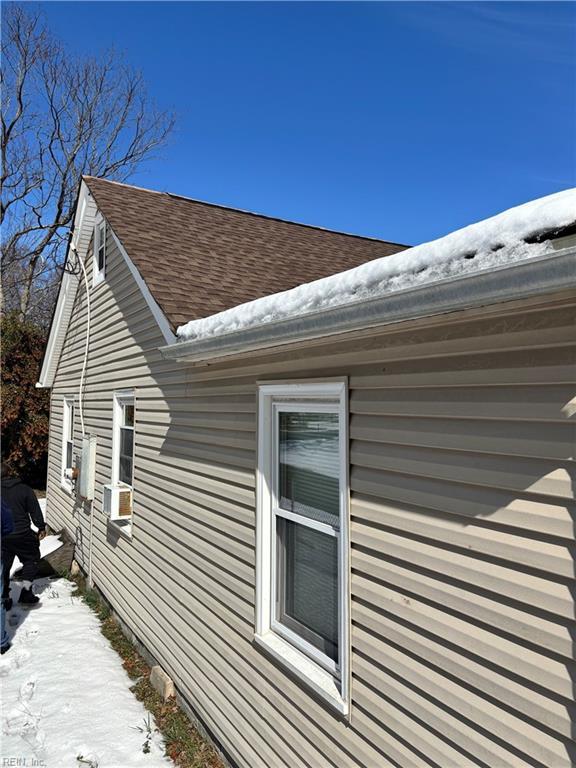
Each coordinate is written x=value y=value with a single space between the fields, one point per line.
x=66 y=699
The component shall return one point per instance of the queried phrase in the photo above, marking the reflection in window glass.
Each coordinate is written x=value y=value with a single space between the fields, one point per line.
x=68 y=436
x=309 y=465
x=125 y=437
x=128 y=415
x=101 y=246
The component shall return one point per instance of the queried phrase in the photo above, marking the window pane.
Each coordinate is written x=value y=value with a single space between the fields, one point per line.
x=126 y=442
x=309 y=465
x=128 y=415
x=71 y=422
x=101 y=246
x=308 y=584
x=69 y=451
x=125 y=470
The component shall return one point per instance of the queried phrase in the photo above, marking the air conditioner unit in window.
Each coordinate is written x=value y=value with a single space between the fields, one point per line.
x=117 y=501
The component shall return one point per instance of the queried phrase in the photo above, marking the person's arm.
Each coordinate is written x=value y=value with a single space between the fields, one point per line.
x=35 y=512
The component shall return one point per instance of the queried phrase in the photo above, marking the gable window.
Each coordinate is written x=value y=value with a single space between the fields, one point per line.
x=67 y=443
x=99 y=265
x=118 y=495
x=302 y=535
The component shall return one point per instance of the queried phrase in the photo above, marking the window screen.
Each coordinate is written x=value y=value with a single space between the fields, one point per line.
x=308 y=585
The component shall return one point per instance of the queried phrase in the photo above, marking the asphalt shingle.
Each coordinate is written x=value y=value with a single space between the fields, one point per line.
x=198 y=258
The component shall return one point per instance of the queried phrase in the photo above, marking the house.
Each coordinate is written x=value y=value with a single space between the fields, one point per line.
x=337 y=509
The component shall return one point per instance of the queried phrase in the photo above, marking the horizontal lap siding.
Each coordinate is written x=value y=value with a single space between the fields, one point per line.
x=462 y=519
x=463 y=544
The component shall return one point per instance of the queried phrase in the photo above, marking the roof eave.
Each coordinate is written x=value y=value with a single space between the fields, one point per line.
x=65 y=299
x=546 y=274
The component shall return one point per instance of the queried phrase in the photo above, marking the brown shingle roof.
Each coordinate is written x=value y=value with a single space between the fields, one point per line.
x=198 y=258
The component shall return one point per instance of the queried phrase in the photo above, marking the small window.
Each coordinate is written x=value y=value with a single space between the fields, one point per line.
x=302 y=583
x=123 y=454
x=118 y=496
x=99 y=265
x=126 y=454
x=67 y=442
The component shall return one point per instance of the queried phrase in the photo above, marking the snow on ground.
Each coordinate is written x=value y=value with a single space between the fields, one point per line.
x=65 y=693
x=487 y=244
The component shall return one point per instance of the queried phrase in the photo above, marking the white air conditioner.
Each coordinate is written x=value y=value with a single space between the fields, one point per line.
x=117 y=502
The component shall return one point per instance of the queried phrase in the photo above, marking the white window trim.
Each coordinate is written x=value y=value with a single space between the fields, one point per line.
x=98 y=275
x=124 y=525
x=314 y=672
x=120 y=398
x=123 y=529
x=67 y=405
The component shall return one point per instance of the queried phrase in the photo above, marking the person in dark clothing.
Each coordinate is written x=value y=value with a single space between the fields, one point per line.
x=7 y=528
x=23 y=542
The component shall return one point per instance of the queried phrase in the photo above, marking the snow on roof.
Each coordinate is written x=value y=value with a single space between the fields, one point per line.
x=508 y=237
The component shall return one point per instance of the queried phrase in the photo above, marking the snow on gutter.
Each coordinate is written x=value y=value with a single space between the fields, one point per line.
x=500 y=259
x=546 y=274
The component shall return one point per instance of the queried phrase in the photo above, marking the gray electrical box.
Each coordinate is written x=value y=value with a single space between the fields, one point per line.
x=88 y=467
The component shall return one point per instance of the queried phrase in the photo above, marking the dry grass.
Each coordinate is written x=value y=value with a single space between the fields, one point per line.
x=184 y=744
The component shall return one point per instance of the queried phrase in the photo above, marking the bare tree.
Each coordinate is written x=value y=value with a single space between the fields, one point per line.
x=42 y=296
x=62 y=117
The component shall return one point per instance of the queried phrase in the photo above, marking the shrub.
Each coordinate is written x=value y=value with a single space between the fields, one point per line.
x=25 y=409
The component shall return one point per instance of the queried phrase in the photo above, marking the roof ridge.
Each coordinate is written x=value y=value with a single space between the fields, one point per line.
x=248 y=213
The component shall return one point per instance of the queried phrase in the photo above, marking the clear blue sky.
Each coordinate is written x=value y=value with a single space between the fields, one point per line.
x=395 y=120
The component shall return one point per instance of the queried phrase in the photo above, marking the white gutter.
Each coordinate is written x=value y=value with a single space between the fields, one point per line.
x=546 y=274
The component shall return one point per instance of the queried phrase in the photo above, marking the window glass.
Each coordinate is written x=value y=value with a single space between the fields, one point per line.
x=68 y=435
x=101 y=246
x=307 y=569
x=308 y=472
x=128 y=415
x=125 y=438
x=125 y=470
x=126 y=442
x=71 y=421
x=126 y=455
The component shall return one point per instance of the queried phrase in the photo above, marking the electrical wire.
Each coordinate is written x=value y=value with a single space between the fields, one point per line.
x=87 y=345
x=81 y=399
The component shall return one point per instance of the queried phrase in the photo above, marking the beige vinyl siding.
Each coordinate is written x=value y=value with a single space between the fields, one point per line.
x=462 y=517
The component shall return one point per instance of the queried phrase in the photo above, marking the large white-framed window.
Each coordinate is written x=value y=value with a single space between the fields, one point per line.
x=118 y=495
x=99 y=261
x=302 y=560
x=67 y=443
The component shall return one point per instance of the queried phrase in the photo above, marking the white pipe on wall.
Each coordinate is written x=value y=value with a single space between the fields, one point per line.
x=81 y=398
